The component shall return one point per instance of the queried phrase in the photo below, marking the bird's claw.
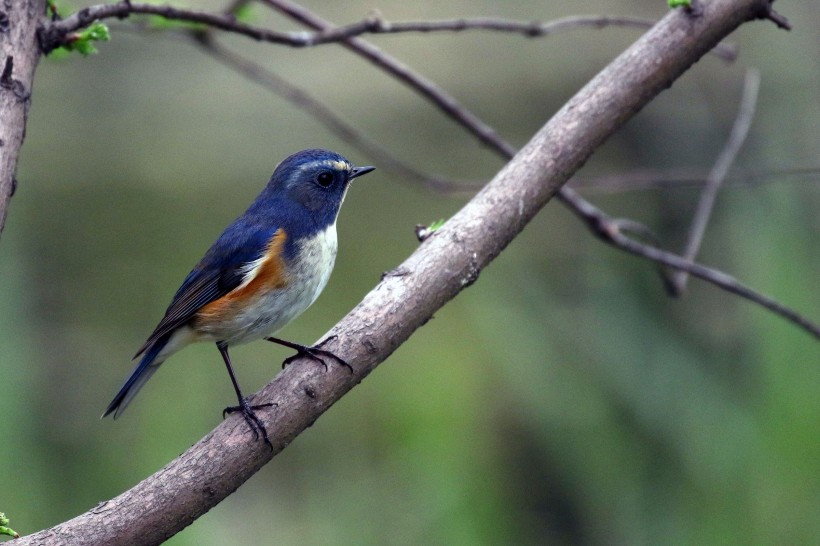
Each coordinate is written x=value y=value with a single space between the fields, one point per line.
x=255 y=424
x=316 y=354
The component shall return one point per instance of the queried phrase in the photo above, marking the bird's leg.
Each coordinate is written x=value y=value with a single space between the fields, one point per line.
x=246 y=409
x=313 y=353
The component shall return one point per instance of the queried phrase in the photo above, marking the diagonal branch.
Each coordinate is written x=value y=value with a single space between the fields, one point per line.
x=421 y=85
x=610 y=231
x=53 y=34
x=407 y=297
x=602 y=225
x=595 y=219
x=332 y=122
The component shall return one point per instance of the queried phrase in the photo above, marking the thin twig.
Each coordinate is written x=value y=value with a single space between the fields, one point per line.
x=332 y=122
x=57 y=32
x=599 y=222
x=745 y=114
x=640 y=179
x=375 y=24
x=433 y=93
x=662 y=179
x=447 y=103
x=610 y=231
x=770 y=14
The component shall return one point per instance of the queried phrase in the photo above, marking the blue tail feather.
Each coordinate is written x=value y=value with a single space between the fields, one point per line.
x=139 y=376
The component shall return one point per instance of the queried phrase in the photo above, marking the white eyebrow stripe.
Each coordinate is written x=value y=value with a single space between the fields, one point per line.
x=338 y=165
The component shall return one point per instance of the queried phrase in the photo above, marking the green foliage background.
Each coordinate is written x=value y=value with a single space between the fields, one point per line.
x=562 y=399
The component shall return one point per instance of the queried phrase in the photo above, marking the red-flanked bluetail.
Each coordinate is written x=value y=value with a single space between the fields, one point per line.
x=265 y=269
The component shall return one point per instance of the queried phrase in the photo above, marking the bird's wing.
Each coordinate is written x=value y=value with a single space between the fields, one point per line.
x=221 y=270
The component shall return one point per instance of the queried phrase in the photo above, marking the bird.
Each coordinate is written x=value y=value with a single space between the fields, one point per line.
x=266 y=268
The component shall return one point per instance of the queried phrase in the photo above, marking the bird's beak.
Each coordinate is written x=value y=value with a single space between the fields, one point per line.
x=359 y=171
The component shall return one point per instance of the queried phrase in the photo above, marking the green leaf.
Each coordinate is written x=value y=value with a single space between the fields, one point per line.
x=83 y=41
x=436 y=225
x=424 y=232
x=679 y=3
x=6 y=530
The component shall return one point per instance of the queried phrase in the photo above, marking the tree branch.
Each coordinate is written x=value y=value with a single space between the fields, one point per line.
x=659 y=179
x=599 y=222
x=612 y=231
x=56 y=33
x=375 y=24
x=602 y=225
x=20 y=55
x=407 y=297
x=708 y=196
x=595 y=219
x=303 y=100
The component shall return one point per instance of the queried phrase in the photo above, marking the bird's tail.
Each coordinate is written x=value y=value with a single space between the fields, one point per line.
x=141 y=374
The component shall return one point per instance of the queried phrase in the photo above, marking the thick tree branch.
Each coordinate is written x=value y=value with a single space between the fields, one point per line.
x=20 y=54
x=602 y=226
x=608 y=229
x=408 y=297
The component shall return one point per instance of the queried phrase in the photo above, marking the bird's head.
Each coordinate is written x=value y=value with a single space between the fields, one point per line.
x=314 y=182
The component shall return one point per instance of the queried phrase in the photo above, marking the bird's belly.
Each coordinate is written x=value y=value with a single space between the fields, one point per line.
x=262 y=315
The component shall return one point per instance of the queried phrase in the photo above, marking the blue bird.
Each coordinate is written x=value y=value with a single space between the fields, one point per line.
x=265 y=269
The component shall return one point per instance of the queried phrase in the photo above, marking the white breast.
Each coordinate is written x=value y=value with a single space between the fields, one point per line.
x=313 y=269
x=306 y=277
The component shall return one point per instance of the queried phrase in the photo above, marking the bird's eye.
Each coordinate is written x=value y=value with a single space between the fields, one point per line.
x=324 y=179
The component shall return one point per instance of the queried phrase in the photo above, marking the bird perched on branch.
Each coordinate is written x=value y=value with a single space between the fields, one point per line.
x=265 y=269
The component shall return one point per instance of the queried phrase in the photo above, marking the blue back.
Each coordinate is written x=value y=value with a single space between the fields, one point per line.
x=302 y=197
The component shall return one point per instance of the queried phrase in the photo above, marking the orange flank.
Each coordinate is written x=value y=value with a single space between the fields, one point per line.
x=268 y=274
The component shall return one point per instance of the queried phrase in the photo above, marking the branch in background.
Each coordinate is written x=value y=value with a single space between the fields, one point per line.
x=326 y=116
x=612 y=231
x=405 y=299
x=661 y=179
x=402 y=72
x=599 y=222
x=602 y=226
x=375 y=24
x=677 y=282
x=59 y=32
x=635 y=180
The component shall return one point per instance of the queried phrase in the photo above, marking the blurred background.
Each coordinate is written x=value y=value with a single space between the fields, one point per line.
x=562 y=399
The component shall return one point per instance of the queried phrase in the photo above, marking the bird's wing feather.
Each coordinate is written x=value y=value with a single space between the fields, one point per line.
x=221 y=270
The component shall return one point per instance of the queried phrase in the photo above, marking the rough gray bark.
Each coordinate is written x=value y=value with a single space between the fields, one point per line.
x=20 y=54
x=407 y=297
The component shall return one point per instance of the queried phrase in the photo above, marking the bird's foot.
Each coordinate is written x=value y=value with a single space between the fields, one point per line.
x=313 y=353
x=255 y=424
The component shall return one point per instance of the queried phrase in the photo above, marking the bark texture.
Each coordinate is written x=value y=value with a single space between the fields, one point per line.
x=20 y=53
